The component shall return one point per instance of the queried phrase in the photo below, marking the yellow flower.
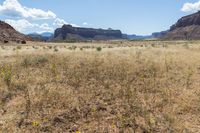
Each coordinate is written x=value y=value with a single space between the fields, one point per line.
x=152 y=120
x=113 y=126
x=93 y=109
x=35 y=123
x=78 y=132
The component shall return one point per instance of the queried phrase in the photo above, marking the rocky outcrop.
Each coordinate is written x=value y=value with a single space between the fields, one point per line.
x=8 y=33
x=193 y=19
x=186 y=28
x=68 y=32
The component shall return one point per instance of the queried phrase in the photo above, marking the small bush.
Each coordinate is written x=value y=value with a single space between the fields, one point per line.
x=153 y=45
x=50 y=47
x=6 y=74
x=165 y=46
x=23 y=42
x=99 y=48
x=86 y=47
x=2 y=47
x=72 y=48
x=34 y=61
x=56 y=50
x=19 y=47
x=5 y=41
x=35 y=47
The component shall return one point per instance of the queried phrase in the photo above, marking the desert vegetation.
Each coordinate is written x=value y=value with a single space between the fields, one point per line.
x=114 y=87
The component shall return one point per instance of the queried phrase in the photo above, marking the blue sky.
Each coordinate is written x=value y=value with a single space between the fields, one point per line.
x=140 y=17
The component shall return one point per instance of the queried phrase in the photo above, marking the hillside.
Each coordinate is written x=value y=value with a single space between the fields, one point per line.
x=186 y=28
x=8 y=33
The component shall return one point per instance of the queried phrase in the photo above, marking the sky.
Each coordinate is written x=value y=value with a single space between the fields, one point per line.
x=141 y=17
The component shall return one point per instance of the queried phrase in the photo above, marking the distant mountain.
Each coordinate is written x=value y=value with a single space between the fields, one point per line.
x=159 y=34
x=8 y=33
x=45 y=36
x=68 y=32
x=186 y=28
x=136 y=37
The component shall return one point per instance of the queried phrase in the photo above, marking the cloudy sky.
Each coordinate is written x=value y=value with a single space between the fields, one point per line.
x=131 y=16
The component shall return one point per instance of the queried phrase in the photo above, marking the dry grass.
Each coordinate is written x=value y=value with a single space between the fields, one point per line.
x=124 y=87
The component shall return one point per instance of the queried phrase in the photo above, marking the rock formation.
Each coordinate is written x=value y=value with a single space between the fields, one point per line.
x=67 y=32
x=186 y=28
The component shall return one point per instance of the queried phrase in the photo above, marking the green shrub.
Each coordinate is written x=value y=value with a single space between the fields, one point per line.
x=56 y=50
x=153 y=45
x=19 y=47
x=35 y=47
x=50 y=47
x=39 y=60
x=6 y=74
x=72 y=48
x=99 y=48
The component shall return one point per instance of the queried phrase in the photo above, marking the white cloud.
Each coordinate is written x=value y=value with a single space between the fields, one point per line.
x=25 y=19
x=46 y=27
x=85 y=23
x=20 y=25
x=12 y=8
x=187 y=7
x=23 y=25
x=60 y=22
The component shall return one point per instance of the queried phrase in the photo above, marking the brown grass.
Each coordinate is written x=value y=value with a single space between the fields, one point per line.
x=126 y=87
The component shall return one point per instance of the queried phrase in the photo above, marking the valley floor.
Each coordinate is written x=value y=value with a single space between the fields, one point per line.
x=114 y=87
